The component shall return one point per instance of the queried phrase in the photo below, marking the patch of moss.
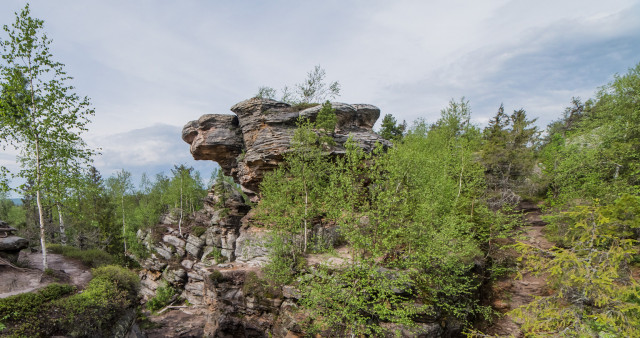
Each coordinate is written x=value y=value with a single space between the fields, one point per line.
x=198 y=230
x=302 y=106
x=217 y=277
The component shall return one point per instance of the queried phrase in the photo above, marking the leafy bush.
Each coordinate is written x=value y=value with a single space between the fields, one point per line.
x=124 y=279
x=22 y=315
x=93 y=257
x=89 y=313
x=595 y=292
x=164 y=295
x=217 y=256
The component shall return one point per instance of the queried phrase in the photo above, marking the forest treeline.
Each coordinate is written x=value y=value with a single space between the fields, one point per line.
x=105 y=214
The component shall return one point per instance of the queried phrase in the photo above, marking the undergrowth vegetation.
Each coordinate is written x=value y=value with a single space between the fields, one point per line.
x=92 y=257
x=59 y=310
x=429 y=183
x=428 y=221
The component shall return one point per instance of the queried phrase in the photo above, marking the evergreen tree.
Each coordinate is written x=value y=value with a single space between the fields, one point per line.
x=508 y=154
x=390 y=130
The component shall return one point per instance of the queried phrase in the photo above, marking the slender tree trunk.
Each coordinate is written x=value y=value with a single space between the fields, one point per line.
x=180 y=221
x=306 y=203
x=63 y=235
x=38 y=179
x=40 y=211
x=124 y=233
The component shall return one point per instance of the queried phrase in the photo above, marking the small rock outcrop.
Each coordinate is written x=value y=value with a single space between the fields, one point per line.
x=215 y=265
x=253 y=142
x=10 y=244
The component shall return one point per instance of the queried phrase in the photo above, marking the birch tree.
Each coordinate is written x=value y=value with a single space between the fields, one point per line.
x=119 y=186
x=39 y=112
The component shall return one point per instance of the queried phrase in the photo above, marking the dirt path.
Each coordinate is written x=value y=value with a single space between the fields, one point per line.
x=14 y=282
x=510 y=293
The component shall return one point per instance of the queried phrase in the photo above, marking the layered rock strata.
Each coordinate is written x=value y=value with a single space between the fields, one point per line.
x=10 y=244
x=254 y=141
x=215 y=263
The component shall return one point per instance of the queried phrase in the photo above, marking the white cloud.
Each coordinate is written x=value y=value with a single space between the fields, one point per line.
x=148 y=63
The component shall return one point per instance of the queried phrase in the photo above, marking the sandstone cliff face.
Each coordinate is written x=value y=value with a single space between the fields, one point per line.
x=254 y=141
x=217 y=268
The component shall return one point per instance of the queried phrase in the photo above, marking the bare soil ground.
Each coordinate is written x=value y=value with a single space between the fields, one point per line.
x=64 y=270
x=509 y=293
x=184 y=323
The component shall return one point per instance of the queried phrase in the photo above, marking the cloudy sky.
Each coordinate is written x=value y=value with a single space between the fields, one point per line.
x=151 y=66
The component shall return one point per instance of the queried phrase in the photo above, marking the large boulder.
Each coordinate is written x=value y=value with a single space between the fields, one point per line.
x=10 y=244
x=254 y=141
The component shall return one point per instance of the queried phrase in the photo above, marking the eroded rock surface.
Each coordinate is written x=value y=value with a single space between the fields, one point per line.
x=254 y=141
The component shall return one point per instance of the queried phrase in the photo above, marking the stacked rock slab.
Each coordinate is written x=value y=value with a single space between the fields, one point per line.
x=253 y=142
x=217 y=269
x=10 y=244
x=185 y=260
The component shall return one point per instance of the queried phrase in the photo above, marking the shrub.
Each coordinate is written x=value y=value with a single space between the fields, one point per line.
x=595 y=293
x=22 y=315
x=198 y=230
x=93 y=310
x=123 y=278
x=93 y=257
x=216 y=276
x=217 y=256
x=164 y=295
x=88 y=314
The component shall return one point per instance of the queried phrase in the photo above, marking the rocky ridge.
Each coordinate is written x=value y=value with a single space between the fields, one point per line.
x=254 y=141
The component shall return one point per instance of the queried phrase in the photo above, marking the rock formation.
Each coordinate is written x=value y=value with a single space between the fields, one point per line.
x=215 y=264
x=10 y=244
x=254 y=141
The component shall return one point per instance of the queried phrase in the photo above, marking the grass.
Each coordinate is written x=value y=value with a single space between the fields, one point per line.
x=93 y=258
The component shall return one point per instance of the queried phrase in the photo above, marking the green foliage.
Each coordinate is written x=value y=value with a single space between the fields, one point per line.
x=593 y=152
x=259 y=288
x=390 y=130
x=124 y=279
x=216 y=276
x=296 y=194
x=55 y=310
x=354 y=301
x=22 y=314
x=312 y=90
x=217 y=256
x=40 y=115
x=92 y=257
x=164 y=294
x=198 y=230
x=412 y=218
x=104 y=300
x=509 y=157
x=596 y=295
